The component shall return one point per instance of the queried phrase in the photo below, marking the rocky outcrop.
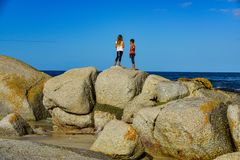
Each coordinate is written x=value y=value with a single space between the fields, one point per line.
x=157 y=90
x=117 y=86
x=233 y=115
x=72 y=91
x=200 y=81
x=71 y=97
x=229 y=156
x=217 y=95
x=191 y=128
x=21 y=89
x=168 y=91
x=71 y=123
x=162 y=90
x=119 y=140
x=14 y=125
x=184 y=119
x=26 y=150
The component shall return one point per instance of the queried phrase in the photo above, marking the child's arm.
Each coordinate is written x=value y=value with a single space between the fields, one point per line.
x=123 y=44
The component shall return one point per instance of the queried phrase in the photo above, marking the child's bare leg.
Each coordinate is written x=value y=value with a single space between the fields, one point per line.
x=133 y=67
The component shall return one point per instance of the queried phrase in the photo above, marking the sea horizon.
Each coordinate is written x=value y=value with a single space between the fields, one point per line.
x=228 y=81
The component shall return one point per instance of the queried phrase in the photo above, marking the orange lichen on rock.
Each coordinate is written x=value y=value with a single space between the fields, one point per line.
x=204 y=82
x=206 y=119
x=17 y=83
x=34 y=91
x=231 y=124
x=13 y=118
x=17 y=88
x=131 y=135
x=184 y=79
x=209 y=106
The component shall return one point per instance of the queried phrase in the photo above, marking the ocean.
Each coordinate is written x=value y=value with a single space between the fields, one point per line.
x=223 y=81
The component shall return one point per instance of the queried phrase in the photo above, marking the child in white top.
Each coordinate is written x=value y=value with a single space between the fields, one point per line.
x=119 y=47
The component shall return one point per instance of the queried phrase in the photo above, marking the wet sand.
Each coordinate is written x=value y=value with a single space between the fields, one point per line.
x=82 y=141
x=69 y=141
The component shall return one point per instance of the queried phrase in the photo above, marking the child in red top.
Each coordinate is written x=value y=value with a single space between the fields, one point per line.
x=132 y=53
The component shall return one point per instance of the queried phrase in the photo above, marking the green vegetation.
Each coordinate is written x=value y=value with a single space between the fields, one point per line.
x=160 y=103
x=1 y=117
x=118 y=112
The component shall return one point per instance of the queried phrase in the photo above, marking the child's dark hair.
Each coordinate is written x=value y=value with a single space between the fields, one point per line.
x=132 y=40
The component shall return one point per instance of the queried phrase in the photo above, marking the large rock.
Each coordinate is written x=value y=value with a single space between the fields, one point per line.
x=72 y=91
x=117 y=86
x=156 y=90
x=190 y=128
x=21 y=89
x=119 y=140
x=233 y=115
x=71 y=123
x=162 y=90
x=229 y=156
x=168 y=91
x=26 y=150
x=14 y=125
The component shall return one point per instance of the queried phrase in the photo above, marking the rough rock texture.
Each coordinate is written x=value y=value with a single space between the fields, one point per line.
x=156 y=91
x=119 y=140
x=67 y=122
x=101 y=119
x=132 y=109
x=235 y=98
x=117 y=86
x=150 y=91
x=166 y=91
x=193 y=86
x=190 y=128
x=217 y=95
x=144 y=123
x=229 y=156
x=14 y=125
x=26 y=150
x=233 y=115
x=72 y=91
x=202 y=81
x=21 y=89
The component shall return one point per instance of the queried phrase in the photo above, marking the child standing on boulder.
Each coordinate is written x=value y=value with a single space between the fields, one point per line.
x=132 y=53
x=119 y=47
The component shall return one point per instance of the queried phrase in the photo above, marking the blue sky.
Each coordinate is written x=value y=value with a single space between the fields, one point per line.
x=171 y=35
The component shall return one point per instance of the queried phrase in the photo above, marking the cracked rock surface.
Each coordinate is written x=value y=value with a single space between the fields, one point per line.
x=190 y=128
